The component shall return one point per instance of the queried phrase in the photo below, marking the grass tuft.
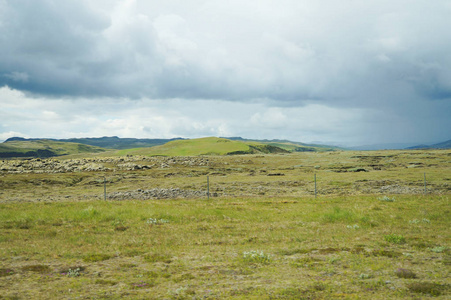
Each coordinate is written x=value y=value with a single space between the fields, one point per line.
x=96 y=257
x=395 y=239
x=431 y=288
x=105 y=282
x=256 y=256
x=405 y=273
x=6 y=272
x=386 y=253
x=158 y=257
x=289 y=252
x=339 y=215
x=37 y=268
x=439 y=249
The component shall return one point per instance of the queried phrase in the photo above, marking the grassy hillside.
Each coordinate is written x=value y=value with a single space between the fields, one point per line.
x=293 y=147
x=204 y=146
x=44 y=148
x=290 y=145
x=19 y=147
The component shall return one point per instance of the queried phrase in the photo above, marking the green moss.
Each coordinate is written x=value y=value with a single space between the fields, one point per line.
x=96 y=257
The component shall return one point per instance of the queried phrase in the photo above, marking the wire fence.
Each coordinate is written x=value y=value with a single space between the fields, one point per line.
x=316 y=191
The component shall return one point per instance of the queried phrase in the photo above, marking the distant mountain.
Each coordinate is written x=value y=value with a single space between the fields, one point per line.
x=19 y=147
x=442 y=145
x=384 y=146
x=112 y=142
x=402 y=146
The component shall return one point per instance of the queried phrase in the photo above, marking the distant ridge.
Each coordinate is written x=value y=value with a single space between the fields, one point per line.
x=112 y=142
x=42 y=148
x=384 y=146
x=442 y=145
x=402 y=146
x=38 y=147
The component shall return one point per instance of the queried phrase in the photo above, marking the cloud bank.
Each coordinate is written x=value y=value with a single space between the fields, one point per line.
x=361 y=70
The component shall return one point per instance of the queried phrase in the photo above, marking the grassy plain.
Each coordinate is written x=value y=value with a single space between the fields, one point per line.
x=370 y=233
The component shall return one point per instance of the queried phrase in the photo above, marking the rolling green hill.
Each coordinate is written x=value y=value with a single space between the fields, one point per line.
x=204 y=146
x=20 y=147
x=117 y=143
x=43 y=148
x=290 y=145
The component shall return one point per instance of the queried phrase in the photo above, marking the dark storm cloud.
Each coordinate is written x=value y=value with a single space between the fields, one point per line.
x=388 y=60
x=48 y=43
x=289 y=51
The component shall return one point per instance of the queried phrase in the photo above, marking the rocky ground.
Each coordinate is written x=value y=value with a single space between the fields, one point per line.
x=156 y=193
x=141 y=177
x=128 y=163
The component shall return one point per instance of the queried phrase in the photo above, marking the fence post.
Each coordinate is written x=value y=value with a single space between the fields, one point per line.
x=104 y=188
x=315 y=185
x=208 y=187
x=424 y=183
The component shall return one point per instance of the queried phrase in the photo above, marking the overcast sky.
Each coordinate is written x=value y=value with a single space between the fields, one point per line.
x=345 y=72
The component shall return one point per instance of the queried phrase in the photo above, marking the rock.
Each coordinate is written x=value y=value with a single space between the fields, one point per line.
x=171 y=193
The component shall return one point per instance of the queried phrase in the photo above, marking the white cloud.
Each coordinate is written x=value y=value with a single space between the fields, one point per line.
x=272 y=118
x=174 y=118
x=6 y=135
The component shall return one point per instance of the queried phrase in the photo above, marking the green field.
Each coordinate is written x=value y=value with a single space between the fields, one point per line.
x=333 y=248
x=372 y=231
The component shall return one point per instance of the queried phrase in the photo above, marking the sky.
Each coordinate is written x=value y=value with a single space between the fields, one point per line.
x=341 y=72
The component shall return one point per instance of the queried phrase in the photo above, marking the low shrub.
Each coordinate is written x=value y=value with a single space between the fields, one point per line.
x=386 y=199
x=405 y=273
x=256 y=256
x=6 y=272
x=395 y=239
